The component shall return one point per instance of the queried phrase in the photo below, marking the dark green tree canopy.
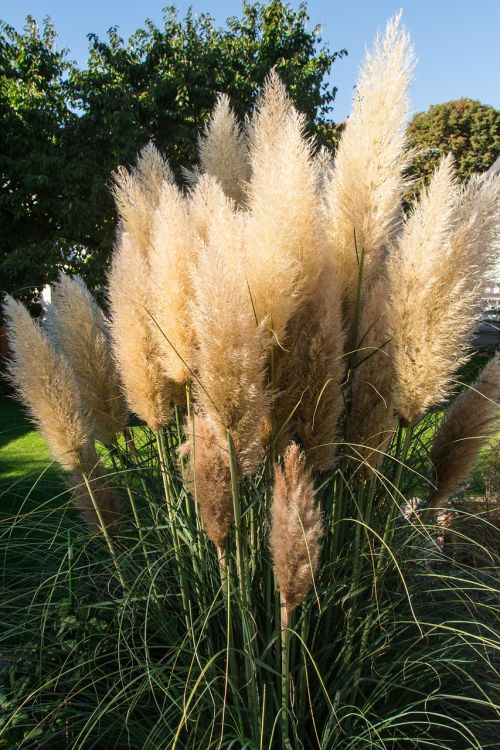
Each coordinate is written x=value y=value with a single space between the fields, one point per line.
x=465 y=127
x=65 y=130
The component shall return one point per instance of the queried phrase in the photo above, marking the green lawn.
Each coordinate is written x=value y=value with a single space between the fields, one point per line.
x=28 y=479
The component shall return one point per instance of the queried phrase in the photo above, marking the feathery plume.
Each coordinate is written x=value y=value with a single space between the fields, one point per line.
x=436 y=273
x=371 y=416
x=78 y=327
x=296 y=528
x=469 y=422
x=230 y=364
x=309 y=372
x=209 y=479
x=46 y=384
x=283 y=243
x=137 y=193
x=223 y=150
x=172 y=253
x=206 y=202
x=148 y=390
x=366 y=184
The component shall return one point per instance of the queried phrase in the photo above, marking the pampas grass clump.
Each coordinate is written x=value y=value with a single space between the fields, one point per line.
x=285 y=333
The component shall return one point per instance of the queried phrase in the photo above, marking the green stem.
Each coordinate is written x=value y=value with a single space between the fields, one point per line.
x=173 y=526
x=247 y=622
x=285 y=674
x=104 y=530
x=70 y=569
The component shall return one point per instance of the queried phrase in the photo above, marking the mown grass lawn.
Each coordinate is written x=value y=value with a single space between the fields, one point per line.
x=28 y=478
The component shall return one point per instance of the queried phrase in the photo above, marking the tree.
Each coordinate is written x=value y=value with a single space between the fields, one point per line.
x=34 y=112
x=465 y=127
x=160 y=85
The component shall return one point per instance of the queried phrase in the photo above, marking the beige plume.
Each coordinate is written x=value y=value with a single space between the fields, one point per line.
x=172 y=254
x=366 y=184
x=436 y=274
x=296 y=529
x=230 y=364
x=209 y=478
x=78 y=327
x=148 y=390
x=309 y=372
x=137 y=193
x=469 y=422
x=46 y=384
x=284 y=246
x=223 y=151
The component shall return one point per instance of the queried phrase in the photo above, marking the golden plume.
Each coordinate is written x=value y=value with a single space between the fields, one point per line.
x=148 y=390
x=172 y=254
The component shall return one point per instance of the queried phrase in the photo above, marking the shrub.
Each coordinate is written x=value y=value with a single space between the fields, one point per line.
x=258 y=569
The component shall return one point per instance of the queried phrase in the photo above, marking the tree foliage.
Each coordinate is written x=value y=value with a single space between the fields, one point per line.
x=465 y=127
x=66 y=129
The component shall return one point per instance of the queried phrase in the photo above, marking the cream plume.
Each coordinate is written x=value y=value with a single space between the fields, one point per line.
x=284 y=245
x=469 y=422
x=366 y=185
x=309 y=372
x=137 y=193
x=45 y=383
x=436 y=273
x=296 y=529
x=206 y=202
x=172 y=253
x=148 y=391
x=209 y=478
x=230 y=365
x=78 y=327
x=223 y=150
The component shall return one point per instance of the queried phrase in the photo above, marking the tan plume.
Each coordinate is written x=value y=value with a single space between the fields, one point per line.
x=46 y=384
x=296 y=528
x=371 y=419
x=469 y=422
x=78 y=327
x=209 y=478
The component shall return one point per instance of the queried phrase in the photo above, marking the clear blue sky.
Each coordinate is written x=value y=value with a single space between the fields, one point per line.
x=457 y=41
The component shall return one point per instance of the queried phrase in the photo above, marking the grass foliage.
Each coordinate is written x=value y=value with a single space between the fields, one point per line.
x=395 y=648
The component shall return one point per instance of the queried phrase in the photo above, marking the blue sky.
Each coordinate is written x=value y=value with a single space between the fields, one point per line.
x=457 y=41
